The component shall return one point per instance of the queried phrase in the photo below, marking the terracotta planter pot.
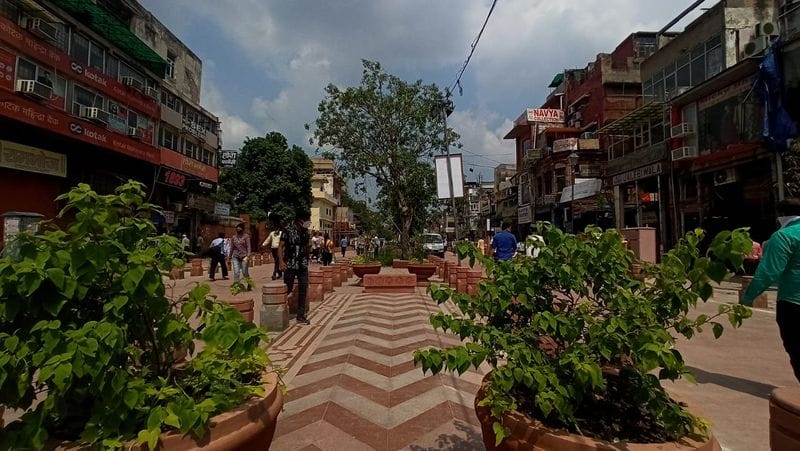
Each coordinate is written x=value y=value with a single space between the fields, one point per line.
x=423 y=271
x=244 y=306
x=530 y=434
x=250 y=426
x=400 y=264
x=366 y=268
x=784 y=418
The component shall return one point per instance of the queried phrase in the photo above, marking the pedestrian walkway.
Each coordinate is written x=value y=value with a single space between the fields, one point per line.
x=353 y=385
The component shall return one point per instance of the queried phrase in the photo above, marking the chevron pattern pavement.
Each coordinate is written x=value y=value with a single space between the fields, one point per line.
x=353 y=385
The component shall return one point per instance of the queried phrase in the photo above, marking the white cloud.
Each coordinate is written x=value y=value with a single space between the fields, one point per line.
x=234 y=128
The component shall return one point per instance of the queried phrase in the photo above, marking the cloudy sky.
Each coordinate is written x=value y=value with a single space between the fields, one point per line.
x=266 y=62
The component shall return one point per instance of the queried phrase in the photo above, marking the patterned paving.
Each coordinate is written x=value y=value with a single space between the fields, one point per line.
x=353 y=385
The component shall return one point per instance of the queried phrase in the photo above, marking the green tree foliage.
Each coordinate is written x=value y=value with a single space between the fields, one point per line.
x=389 y=130
x=579 y=341
x=87 y=327
x=271 y=177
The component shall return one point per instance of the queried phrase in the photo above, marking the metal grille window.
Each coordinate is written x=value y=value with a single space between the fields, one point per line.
x=84 y=97
x=169 y=138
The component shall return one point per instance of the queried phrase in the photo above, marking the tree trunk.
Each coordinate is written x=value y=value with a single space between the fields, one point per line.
x=405 y=236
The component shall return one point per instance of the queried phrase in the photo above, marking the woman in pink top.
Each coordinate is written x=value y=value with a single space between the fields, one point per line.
x=240 y=251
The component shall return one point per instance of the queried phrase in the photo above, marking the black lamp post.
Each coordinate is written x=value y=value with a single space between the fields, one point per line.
x=572 y=159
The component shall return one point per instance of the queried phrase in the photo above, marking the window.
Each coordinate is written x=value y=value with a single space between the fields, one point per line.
x=26 y=70
x=168 y=138
x=112 y=66
x=84 y=97
x=170 y=71
x=190 y=149
x=170 y=101
x=127 y=71
x=9 y=10
x=714 y=61
x=133 y=119
x=87 y=52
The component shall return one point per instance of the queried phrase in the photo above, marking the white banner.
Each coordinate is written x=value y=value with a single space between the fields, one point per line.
x=443 y=188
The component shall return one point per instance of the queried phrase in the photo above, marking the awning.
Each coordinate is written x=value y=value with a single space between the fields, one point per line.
x=626 y=124
x=556 y=80
x=583 y=188
x=106 y=25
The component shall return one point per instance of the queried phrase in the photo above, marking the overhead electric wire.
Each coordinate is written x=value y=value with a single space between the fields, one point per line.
x=473 y=46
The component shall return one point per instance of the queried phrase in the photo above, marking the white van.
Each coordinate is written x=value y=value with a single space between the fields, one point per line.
x=434 y=244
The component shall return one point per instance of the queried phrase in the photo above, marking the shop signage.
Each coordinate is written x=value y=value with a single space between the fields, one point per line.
x=172 y=178
x=188 y=165
x=524 y=214
x=200 y=202
x=53 y=56
x=227 y=158
x=582 y=189
x=544 y=115
x=637 y=159
x=637 y=174
x=726 y=93
x=567 y=144
x=31 y=159
x=7 y=64
x=59 y=122
x=221 y=209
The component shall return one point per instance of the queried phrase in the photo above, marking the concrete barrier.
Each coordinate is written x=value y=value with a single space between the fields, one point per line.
x=390 y=283
x=274 y=309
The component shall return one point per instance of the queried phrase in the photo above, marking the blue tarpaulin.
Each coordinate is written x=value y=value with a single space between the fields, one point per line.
x=778 y=124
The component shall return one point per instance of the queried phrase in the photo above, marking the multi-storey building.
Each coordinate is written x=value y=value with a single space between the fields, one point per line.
x=326 y=187
x=83 y=98
x=558 y=154
x=691 y=155
x=505 y=192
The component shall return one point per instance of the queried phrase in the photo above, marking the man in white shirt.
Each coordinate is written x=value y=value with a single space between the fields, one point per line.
x=217 y=251
x=272 y=242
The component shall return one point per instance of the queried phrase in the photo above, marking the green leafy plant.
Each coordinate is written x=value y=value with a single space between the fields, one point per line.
x=90 y=337
x=363 y=259
x=247 y=284
x=578 y=342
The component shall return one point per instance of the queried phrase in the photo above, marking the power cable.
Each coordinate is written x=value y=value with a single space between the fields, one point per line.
x=473 y=46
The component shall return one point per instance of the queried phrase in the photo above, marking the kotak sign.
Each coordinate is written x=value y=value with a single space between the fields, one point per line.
x=58 y=122
x=544 y=115
x=52 y=56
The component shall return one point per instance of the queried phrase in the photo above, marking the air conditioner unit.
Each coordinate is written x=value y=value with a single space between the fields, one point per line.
x=756 y=46
x=681 y=130
x=152 y=92
x=725 y=177
x=94 y=114
x=767 y=29
x=136 y=133
x=43 y=29
x=588 y=135
x=683 y=153
x=34 y=89
x=133 y=83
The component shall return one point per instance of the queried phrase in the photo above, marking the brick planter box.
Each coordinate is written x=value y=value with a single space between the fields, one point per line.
x=315 y=284
x=390 y=283
x=784 y=418
x=327 y=279
x=197 y=267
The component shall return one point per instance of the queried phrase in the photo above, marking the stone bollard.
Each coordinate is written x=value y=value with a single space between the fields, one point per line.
x=343 y=272
x=784 y=418
x=274 y=309
x=462 y=273
x=449 y=267
x=327 y=279
x=452 y=275
x=197 y=267
x=315 y=294
x=336 y=275
x=761 y=301
x=473 y=280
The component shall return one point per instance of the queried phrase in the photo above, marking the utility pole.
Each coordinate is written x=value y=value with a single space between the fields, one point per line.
x=447 y=109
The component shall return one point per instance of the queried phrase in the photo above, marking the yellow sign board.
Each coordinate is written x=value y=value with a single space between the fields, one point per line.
x=32 y=159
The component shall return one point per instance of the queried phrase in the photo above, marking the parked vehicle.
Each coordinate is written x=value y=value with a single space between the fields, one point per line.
x=434 y=244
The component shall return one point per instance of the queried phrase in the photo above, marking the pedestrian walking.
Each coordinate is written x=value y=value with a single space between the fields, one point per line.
x=185 y=242
x=316 y=246
x=293 y=253
x=217 y=253
x=781 y=263
x=482 y=246
x=504 y=243
x=327 y=250
x=344 y=245
x=240 y=252
x=376 y=245
x=273 y=242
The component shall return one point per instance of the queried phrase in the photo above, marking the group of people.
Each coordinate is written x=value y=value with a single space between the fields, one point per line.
x=236 y=248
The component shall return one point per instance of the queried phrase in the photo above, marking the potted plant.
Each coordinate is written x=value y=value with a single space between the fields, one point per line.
x=578 y=345
x=90 y=340
x=363 y=265
x=422 y=269
x=244 y=304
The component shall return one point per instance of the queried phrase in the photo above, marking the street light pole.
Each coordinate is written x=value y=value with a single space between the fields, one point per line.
x=447 y=108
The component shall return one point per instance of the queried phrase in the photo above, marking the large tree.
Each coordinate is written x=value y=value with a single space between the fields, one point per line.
x=389 y=130
x=269 y=177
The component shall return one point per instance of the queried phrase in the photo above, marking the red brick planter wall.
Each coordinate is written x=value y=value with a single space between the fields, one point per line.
x=784 y=418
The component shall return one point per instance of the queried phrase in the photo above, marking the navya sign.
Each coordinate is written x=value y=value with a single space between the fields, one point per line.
x=544 y=115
